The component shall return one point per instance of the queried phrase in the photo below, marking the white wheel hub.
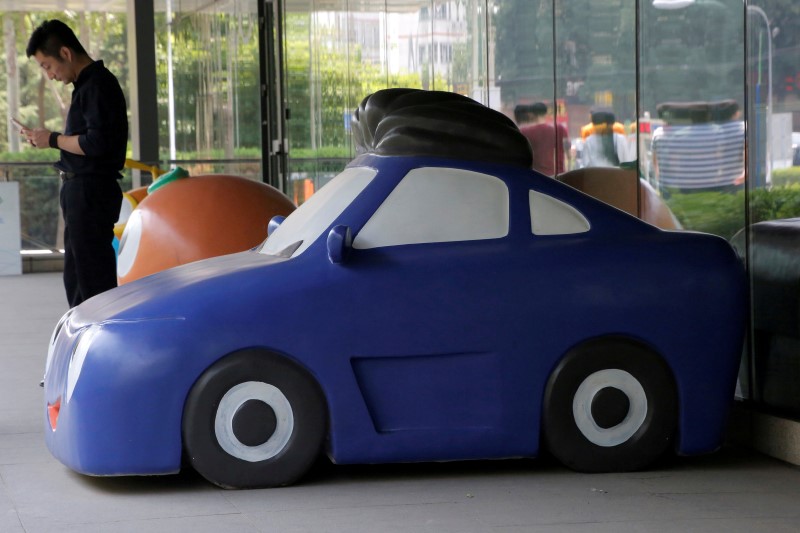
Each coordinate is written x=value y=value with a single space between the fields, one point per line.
x=582 y=407
x=230 y=404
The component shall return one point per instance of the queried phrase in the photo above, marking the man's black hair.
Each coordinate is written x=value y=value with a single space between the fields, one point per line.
x=603 y=116
x=606 y=117
x=50 y=36
x=538 y=109
x=523 y=112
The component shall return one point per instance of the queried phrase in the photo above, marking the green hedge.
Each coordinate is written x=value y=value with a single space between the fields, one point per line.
x=785 y=176
x=723 y=213
x=328 y=159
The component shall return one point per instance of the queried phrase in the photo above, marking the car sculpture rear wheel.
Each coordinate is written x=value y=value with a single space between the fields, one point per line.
x=610 y=406
x=254 y=419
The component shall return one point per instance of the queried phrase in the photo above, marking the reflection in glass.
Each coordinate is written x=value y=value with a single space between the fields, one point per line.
x=596 y=79
x=574 y=57
x=523 y=55
x=214 y=108
x=337 y=53
x=770 y=243
x=692 y=92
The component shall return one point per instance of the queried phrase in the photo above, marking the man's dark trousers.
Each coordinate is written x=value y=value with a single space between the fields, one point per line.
x=90 y=204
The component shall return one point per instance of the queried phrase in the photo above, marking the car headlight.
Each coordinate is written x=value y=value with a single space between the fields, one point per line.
x=52 y=345
x=78 y=357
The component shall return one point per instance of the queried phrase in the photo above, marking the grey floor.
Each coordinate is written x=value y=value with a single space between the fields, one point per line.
x=730 y=491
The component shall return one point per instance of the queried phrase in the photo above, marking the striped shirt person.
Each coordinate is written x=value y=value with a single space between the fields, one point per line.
x=700 y=154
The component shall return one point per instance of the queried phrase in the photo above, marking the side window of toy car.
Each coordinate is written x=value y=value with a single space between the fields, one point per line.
x=550 y=216
x=439 y=205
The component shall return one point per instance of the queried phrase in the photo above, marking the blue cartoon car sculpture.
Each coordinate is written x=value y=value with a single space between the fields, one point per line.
x=435 y=301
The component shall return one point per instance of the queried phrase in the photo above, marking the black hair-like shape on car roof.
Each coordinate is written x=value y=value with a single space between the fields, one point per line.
x=698 y=112
x=415 y=122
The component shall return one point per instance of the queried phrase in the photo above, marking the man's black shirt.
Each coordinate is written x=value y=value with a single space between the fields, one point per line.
x=99 y=115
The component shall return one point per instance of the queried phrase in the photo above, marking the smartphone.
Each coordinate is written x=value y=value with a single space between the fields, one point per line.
x=19 y=124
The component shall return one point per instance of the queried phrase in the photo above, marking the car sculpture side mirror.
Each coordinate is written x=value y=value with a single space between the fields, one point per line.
x=340 y=242
x=274 y=222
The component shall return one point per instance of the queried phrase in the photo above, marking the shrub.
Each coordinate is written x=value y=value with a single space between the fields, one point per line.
x=785 y=176
x=723 y=213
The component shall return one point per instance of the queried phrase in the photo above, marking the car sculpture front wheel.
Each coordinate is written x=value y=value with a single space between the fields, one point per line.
x=254 y=419
x=610 y=406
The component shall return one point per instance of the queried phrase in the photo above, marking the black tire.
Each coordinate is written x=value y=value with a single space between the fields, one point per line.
x=610 y=406
x=254 y=419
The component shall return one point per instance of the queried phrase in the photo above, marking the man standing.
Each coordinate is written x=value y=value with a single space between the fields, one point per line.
x=92 y=150
x=548 y=140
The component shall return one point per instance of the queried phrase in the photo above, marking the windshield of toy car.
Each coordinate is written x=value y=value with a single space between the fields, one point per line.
x=315 y=215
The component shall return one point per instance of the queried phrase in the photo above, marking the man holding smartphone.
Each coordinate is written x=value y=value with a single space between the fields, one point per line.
x=92 y=153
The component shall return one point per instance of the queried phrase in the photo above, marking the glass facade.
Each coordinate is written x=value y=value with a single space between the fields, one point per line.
x=691 y=104
x=772 y=200
x=207 y=72
x=336 y=54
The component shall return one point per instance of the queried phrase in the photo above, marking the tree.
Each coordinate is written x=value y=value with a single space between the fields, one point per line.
x=12 y=81
x=524 y=45
x=217 y=89
x=327 y=77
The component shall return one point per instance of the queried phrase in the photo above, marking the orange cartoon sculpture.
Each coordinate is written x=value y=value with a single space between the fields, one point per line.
x=186 y=220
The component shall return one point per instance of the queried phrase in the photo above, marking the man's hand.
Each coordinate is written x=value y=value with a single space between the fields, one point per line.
x=37 y=137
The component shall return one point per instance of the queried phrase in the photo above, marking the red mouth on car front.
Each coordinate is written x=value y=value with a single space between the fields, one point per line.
x=52 y=413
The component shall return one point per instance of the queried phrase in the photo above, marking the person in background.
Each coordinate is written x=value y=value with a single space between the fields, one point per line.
x=699 y=147
x=92 y=153
x=548 y=140
x=605 y=147
x=588 y=129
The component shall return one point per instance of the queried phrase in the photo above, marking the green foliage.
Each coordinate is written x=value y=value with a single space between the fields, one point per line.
x=29 y=155
x=39 y=208
x=723 y=213
x=719 y=213
x=325 y=160
x=776 y=203
x=785 y=176
x=38 y=192
x=525 y=48
x=327 y=78
x=216 y=83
